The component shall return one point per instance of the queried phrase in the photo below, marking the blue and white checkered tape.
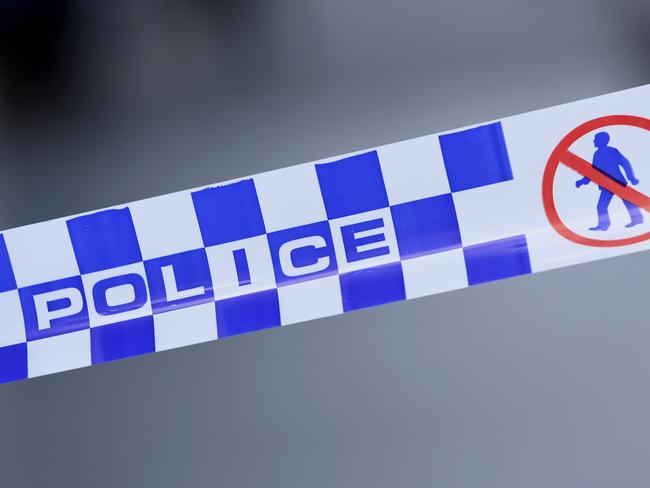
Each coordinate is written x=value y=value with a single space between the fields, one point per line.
x=400 y=221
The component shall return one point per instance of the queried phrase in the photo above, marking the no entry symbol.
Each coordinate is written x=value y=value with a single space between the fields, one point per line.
x=563 y=155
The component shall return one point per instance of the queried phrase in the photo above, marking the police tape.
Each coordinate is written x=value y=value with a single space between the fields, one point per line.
x=400 y=221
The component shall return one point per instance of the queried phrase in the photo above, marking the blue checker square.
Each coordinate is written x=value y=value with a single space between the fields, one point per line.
x=426 y=226
x=496 y=260
x=180 y=280
x=352 y=185
x=104 y=240
x=476 y=157
x=247 y=313
x=122 y=340
x=13 y=362
x=228 y=213
x=61 y=308
x=302 y=253
x=372 y=286
x=7 y=279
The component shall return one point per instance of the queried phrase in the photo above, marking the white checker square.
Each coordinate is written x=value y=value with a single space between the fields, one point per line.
x=118 y=295
x=225 y=279
x=185 y=326
x=12 y=325
x=166 y=225
x=41 y=253
x=58 y=353
x=434 y=273
x=493 y=212
x=413 y=169
x=290 y=197
x=387 y=230
x=310 y=300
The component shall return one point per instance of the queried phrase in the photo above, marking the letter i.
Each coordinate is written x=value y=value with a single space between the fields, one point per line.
x=241 y=265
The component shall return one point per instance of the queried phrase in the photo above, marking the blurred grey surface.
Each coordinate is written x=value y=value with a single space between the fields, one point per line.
x=528 y=382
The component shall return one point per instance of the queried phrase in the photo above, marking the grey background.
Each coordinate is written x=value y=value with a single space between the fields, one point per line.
x=533 y=382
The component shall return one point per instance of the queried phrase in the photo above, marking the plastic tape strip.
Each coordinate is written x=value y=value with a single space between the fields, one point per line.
x=524 y=194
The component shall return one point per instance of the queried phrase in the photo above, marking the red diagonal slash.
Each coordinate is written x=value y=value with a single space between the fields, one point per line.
x=578 y=164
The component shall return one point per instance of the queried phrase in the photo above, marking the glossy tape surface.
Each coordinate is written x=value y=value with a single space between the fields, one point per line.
x=427 y=215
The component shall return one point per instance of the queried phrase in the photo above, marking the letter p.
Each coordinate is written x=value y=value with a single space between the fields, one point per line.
x=54 y=308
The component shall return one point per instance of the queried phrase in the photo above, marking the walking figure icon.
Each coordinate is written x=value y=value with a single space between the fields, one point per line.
x=609 y=161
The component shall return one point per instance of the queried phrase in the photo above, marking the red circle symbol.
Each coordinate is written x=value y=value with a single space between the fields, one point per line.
x=562 y=155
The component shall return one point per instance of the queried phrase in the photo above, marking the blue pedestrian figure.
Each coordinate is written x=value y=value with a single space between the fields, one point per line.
x=609 y=161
